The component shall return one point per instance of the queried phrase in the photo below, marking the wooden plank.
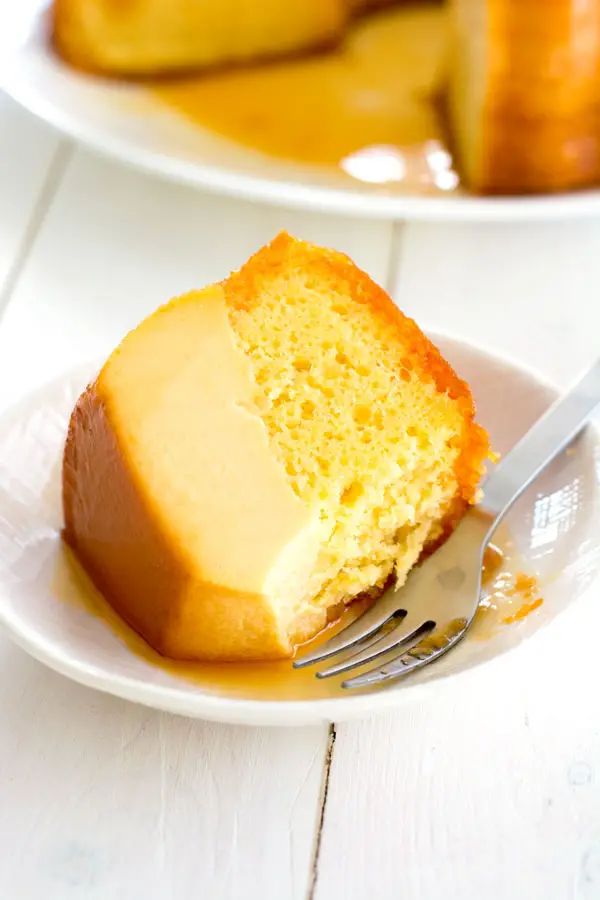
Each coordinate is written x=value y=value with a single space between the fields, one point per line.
x=529 y=290
x=489 y=788
x=30 y=165
x=106 y=799
x=117 y=244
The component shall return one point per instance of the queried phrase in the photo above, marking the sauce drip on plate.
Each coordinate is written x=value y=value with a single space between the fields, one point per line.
x=255 y=680
x=369 y=107
x=509 y=594
x=504 y=603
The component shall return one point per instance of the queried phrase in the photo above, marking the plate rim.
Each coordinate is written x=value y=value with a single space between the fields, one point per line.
x=235 y=710
x=277 y=190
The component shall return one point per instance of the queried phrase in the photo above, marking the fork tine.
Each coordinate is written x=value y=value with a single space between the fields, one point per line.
x=421 y=655
x=378 y=645
x=365 y=626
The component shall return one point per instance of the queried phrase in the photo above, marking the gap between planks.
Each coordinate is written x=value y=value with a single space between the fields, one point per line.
x=47 y=192
x=390 y=285
x=324 y=791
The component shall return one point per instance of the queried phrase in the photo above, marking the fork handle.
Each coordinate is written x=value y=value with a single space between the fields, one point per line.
x=543 y=442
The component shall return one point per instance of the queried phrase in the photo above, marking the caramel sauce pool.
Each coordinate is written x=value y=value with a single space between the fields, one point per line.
x=508 y=594
x=509 y=598
x=256 y=680
x=368 y=106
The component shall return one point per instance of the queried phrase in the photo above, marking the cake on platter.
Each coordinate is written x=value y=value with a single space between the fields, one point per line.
x=519 y=92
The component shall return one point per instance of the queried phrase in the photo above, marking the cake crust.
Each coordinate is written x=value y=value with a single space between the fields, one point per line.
x=524 y=94
x=420 y=354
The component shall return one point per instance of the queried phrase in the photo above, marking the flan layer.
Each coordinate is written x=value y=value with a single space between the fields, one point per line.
x=173 y=498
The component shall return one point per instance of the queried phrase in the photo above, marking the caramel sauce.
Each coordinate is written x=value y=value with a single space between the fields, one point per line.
x=510 y=595
x=493 y=557
x=524 y=588
x=369 y=107
x=251 y=680
x=523 y=611
x=278 y=680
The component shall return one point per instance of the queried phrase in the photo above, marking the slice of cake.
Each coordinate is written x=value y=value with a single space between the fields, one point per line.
x=524 y=96
x=151 y=36
x=257 y=454
x=144 y=37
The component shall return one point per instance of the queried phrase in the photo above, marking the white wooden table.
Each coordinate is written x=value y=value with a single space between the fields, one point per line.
x=490 y=794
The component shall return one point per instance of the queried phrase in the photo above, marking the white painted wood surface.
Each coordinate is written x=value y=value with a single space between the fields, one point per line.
x=494 y=791
x=531 y=292
x=114 y=244
x=29 y=154
x=490 y=794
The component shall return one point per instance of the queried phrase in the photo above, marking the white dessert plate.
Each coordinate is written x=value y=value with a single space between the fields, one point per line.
x=123 y=121
x=551 y=534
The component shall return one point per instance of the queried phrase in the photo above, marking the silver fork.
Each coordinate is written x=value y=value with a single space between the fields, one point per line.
x=434 y=609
